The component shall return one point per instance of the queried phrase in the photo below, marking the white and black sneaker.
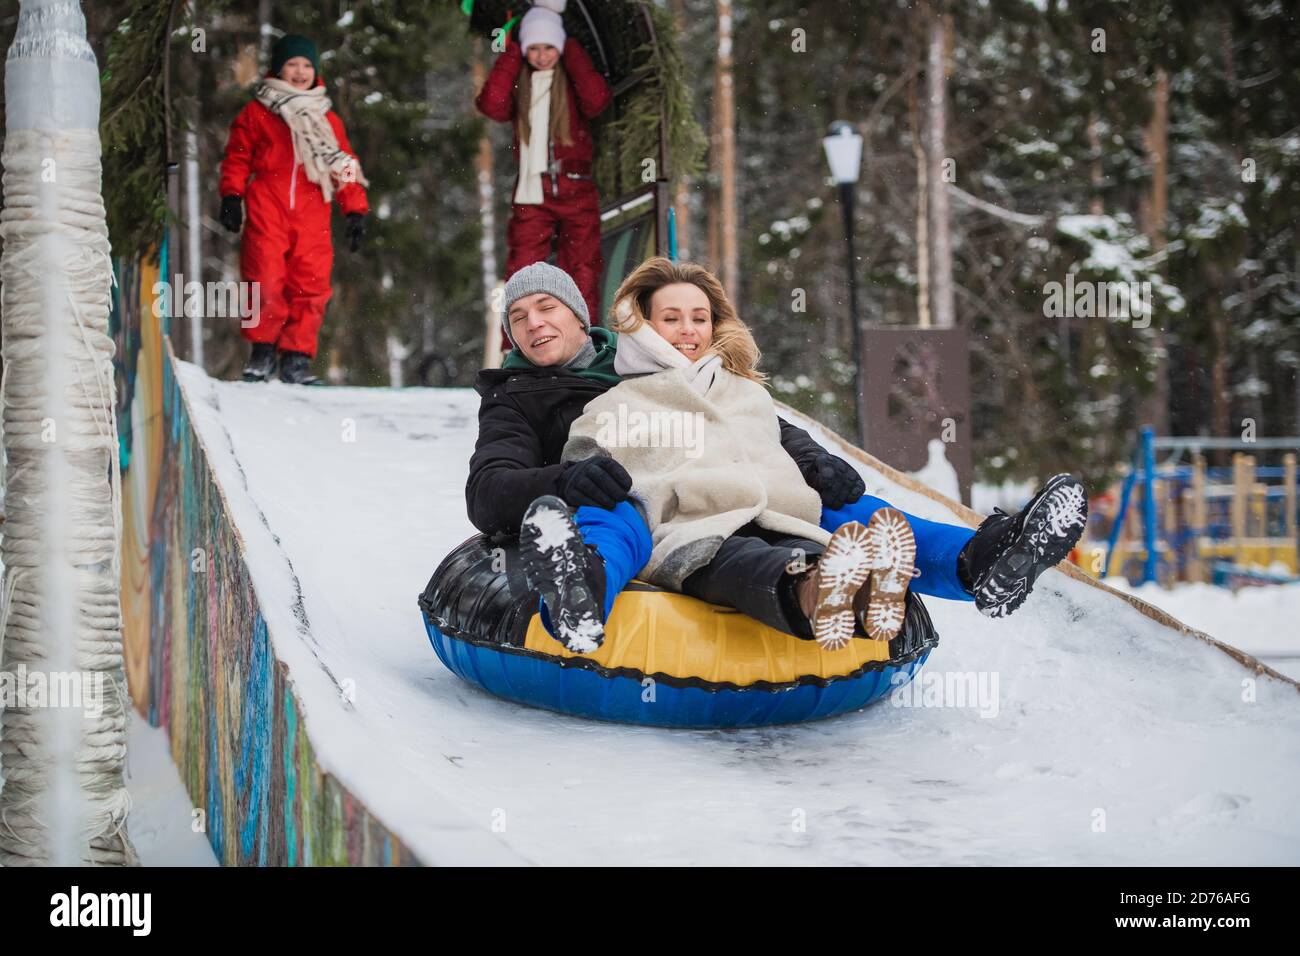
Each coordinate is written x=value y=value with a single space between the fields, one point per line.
x=1001 y=563
x=569 y=577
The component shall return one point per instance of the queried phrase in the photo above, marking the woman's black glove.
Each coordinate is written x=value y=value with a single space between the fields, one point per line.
x=356 y=229
x=835 y=480
x=232 y=213
x=600 y=482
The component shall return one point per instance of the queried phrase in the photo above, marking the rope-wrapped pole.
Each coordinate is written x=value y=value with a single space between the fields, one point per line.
x=63 y=731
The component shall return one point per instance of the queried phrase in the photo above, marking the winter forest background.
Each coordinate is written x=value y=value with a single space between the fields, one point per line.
x=1151 y=141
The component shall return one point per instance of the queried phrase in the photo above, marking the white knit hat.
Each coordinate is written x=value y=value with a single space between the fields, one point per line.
x=542 y=24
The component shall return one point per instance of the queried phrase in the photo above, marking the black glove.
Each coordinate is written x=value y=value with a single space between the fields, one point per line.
x=600 y=482
x=835 y=480
x=356 y=229
x=232 y=213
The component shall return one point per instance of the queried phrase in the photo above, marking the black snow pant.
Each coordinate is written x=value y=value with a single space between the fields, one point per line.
x=754 y=572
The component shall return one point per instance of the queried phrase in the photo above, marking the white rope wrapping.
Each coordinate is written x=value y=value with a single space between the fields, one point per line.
x=64 y=223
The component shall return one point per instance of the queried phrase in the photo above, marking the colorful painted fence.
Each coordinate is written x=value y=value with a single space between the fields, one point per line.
x=199 y=659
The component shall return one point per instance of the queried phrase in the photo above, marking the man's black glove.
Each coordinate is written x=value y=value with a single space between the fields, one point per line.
x=232 y=213
x=834 y=479
x=356 y=229
x=601 y=482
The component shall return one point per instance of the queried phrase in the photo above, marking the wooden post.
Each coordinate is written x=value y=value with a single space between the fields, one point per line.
x=936 y=72
x=1258 y=525
x=724 y=162
x=1289 y=522
x=1171 y=509
x=1192 y=558
x=487 y=224
x=1248 y=491
x=1134 y=531
x=681 y=191
x=1238 y=505
x=1153 y=211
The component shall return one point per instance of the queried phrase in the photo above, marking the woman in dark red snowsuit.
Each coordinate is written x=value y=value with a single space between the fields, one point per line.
x=554 y=196
x=286 y=245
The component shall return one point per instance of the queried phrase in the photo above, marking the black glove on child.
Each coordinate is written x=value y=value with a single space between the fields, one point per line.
x=835 y=480
x=600 y=482
x=356 y=229
x=232 y=213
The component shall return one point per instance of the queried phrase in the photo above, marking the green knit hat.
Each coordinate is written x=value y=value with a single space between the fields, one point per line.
x=289 y=46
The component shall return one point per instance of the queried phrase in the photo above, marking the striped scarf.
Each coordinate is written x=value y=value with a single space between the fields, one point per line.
x=314 y=142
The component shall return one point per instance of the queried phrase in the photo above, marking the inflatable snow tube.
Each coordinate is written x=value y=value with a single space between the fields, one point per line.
x=668 y=660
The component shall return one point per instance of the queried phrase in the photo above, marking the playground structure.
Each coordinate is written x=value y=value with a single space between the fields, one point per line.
x=1185 y=520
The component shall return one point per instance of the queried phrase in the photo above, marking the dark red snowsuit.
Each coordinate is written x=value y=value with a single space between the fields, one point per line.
x=286 y=245
x=570 y=207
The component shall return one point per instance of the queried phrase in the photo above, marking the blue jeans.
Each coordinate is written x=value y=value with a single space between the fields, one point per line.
x=937 y=546
x=621 y=538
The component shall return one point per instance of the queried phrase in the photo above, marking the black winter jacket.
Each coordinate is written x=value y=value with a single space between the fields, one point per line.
x=523 y=424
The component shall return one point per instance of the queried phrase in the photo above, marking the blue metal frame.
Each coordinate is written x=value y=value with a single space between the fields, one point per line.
x=1149 y=503
x=1144 y=470
x=1125 y=494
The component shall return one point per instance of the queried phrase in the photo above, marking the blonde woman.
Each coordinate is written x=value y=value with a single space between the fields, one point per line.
x=741 y=519
x=732 y=518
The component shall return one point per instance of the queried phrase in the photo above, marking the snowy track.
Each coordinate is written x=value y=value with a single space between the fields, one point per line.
x=1101 y=717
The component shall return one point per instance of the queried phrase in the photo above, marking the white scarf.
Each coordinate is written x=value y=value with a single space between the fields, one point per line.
x=314 y=142
x=645 y=351
x=532 y=151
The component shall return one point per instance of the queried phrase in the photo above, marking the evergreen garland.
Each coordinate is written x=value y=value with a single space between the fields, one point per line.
x=131 y=131
x=626 y=141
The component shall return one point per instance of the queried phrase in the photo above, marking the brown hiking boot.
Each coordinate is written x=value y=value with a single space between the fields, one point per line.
x=891 y=559
x=826 y=593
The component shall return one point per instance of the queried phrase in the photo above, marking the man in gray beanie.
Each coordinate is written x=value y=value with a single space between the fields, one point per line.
x=558 y=364
x=546 y=317
x=517 y=483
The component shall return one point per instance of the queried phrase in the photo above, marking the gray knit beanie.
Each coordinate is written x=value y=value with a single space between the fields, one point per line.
x=543 y=277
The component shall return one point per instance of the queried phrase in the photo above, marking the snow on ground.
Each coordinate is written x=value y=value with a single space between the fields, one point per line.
x=1109 y=739
x=1259 y=620
x=161 y=823
x=162 y=817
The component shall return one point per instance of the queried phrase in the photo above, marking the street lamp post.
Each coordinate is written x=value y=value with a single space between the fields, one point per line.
x=844 y=155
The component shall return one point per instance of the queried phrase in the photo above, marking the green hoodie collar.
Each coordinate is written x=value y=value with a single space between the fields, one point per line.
x=600 y=370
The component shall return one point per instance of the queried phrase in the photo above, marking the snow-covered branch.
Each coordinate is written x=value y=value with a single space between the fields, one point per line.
x=1018 y=218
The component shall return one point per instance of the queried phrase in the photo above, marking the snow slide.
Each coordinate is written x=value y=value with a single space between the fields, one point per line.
x=1081 y=731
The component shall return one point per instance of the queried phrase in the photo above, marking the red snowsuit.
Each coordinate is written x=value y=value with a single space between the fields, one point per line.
x=286 y=246
x=570 y=208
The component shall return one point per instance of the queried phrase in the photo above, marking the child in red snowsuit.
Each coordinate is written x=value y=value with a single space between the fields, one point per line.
x=549 y=96
x=286 y=157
